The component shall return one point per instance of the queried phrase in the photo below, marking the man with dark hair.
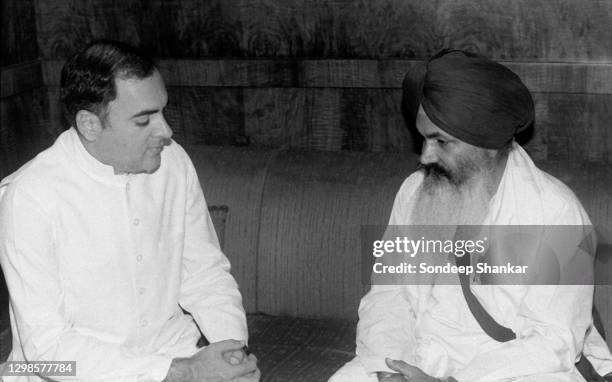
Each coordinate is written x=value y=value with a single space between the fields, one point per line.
x=472 y=173
x=105 y=237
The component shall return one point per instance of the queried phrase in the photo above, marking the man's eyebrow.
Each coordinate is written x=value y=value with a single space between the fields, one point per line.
x=145 y=112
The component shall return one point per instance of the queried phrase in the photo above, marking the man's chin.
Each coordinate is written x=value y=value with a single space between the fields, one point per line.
x=153 y=169
x=151 y=166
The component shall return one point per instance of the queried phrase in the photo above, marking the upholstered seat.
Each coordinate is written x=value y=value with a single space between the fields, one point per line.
x=290 y=224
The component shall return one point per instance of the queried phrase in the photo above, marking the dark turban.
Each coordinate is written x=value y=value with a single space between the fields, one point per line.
x=471 y=98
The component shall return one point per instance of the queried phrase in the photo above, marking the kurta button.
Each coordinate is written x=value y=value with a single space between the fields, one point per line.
x=136 y=221
x=139 y=258
x=143 y=322
x=141 y=291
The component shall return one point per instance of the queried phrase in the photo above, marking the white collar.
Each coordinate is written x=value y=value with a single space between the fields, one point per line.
x=98 y=170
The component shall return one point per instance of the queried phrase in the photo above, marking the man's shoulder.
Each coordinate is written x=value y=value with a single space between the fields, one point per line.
x=537 y=197
x=37 y=174
x=558 y=200
x=558 y=191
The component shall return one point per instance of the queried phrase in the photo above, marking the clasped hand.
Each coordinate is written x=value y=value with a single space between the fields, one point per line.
x=223 y=361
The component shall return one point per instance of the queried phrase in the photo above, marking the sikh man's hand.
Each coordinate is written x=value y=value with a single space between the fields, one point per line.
x=410 y=373
x=214 y=364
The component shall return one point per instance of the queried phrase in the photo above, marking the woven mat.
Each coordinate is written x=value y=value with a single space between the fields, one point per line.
x=298 y=349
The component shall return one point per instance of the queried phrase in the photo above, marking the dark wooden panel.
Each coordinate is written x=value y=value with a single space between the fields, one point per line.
x=566 y=30
x=213 y=116
x=217 y=73
x=576 y=126
x=539 y=77
x=563 y=77
x=197 y=29
x=257 y=73
x=51 y=72
x=177 y=28
x=67 y=26
x=568 y=126
x=18 y=32
x=322 y=120
x=373 y=121
x=354 y=73
x=20 y=78
x=25 y=129
x=275 y=117
x=296 y=118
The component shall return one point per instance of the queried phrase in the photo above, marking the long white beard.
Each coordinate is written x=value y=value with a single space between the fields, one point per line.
x=440 y=202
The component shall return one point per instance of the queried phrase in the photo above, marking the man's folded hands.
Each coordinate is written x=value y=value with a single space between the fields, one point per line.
x=222 y=361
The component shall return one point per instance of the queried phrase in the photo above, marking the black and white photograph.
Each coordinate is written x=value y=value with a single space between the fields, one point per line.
x=306 y=190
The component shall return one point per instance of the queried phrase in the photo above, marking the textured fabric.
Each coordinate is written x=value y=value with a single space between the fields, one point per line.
x=475 y=100
x=300 y=349
x=432 y=327
x=97 y=264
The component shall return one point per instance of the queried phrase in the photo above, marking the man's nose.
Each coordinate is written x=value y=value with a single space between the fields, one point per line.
x=163 y=129
x=428 y=154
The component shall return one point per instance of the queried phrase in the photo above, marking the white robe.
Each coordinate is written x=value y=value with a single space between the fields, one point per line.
x=98 y=263
x=432 y=328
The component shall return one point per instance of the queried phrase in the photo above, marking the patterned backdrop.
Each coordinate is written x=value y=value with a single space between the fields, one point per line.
x=318 y=74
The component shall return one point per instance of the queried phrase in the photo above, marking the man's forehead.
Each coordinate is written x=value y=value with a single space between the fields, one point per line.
x=142 y=90
x=131 y=82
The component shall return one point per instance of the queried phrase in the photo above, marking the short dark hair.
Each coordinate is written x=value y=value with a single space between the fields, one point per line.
x=88 y=78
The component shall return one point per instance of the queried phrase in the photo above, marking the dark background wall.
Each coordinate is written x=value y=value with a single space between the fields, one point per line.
x=315 y=74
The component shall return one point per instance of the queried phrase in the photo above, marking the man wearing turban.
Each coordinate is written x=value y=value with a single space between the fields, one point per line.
x=472 y=172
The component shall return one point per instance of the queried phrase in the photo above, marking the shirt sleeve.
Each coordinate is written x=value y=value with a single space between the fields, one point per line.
x=387 y=313
x=551 y=321
x=550 y=329
x=208 y=290
x=41 y=319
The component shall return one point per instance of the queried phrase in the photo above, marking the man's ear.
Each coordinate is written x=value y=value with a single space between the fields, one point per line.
x=88 y=124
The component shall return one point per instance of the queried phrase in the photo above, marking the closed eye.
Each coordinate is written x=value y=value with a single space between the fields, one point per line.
x=142 y=121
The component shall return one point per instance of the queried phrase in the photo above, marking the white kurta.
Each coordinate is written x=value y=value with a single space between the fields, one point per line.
x=97 y=264
x=432 y=327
